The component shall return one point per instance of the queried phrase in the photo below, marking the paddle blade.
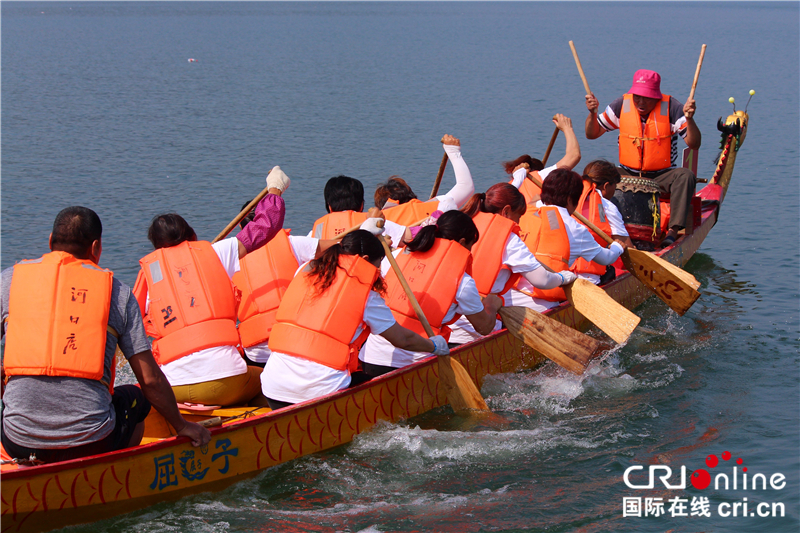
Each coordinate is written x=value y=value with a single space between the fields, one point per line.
x=462 y=393
x=569 y=348
x=676 y=287
x=602 y=310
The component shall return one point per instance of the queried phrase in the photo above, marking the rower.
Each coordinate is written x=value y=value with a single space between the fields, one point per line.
x=185 y=293
x=649 y=123
x=400 y=204
x=572 y=157
x=263 y=279
x=63 y=318
x=436 y=264
x=500 y=256
x=325 y=316
x=344 y=200
x=558 y=240
x=600 y=179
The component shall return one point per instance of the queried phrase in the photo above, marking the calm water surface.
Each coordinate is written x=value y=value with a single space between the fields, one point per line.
x=100 y=107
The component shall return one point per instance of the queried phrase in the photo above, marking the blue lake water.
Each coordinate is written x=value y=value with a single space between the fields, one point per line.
x=101 y=107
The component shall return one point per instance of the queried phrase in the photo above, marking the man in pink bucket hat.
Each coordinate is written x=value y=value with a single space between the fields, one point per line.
x=649 y=123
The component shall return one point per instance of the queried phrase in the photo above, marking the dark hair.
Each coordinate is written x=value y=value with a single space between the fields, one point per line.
x=533 y=163
x=495 y=199
x=395 y=188
x=344 y=194
x=74 y=230
x=168 y=230
x=561 y=186
x=250 y=216
x=453 y=226
x=359 y=242
x=601 y=172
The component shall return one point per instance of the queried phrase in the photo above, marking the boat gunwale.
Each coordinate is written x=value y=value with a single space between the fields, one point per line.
x=27 y=471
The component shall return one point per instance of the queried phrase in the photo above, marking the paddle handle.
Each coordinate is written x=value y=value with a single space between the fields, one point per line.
x=249 y=207
x=411 y=298
x=550 y=147
x=580 y=68
x=697 y=72
x=211 y=422
x=577 y=215
x=438 y=181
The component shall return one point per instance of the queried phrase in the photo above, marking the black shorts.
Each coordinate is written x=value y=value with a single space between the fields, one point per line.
x=131 y=408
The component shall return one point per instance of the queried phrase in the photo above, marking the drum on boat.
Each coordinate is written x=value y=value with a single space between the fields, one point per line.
x=639 y=203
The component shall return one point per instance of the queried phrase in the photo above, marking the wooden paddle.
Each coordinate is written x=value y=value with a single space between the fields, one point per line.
x=462 y=393
x=676 y=287
x=569 y=348
x=249 y=207
x=697 y=72
x=438 y=181
x=580 y=68
x=550 y=147
x=613 y=319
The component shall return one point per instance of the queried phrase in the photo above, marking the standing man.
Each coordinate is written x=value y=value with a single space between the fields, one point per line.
x=649 y=123
x=63 y=318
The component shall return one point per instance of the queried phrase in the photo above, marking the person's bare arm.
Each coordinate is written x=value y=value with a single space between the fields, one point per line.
x=693 y=137
x=158 y=392
x=593 y=128
x=572 y=155
x=485 y=321
x=407 y=339
x=624 y=239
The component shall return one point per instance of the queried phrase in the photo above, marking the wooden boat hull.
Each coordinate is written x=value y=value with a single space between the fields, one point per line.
x=45 y=497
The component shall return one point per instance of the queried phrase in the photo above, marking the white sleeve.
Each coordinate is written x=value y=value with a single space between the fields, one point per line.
x=517 y=257
x=542 y=279
x=464 y=188
x=468 y=300
x=608 y=255
x=228 y=253
x=614 y=218
x=303 y=248
x=377 y=314
x=518 y=177
x=386 y=266
x=582 y=244
x=546 y=172
x=395 y=231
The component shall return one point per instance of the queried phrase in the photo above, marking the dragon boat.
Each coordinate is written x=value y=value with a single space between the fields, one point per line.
x=166 y=467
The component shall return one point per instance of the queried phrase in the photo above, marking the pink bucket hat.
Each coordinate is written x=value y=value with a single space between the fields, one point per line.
x=646 y=83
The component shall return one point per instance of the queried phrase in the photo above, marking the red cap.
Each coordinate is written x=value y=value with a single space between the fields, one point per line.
x=646 y=83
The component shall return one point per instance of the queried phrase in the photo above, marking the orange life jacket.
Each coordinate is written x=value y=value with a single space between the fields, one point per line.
x=650 y=149
x=530 y=190
x=545 y=235
x=192 y=301
x=320 y=327
x=487 y=253
x=263 y=279
x=434 y=277
x=410 y=212
x=58 y=318
x=332 y=224
x=594 y=213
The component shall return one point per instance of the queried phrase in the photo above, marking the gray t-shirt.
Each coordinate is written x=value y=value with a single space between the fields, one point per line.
x=64 y=412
